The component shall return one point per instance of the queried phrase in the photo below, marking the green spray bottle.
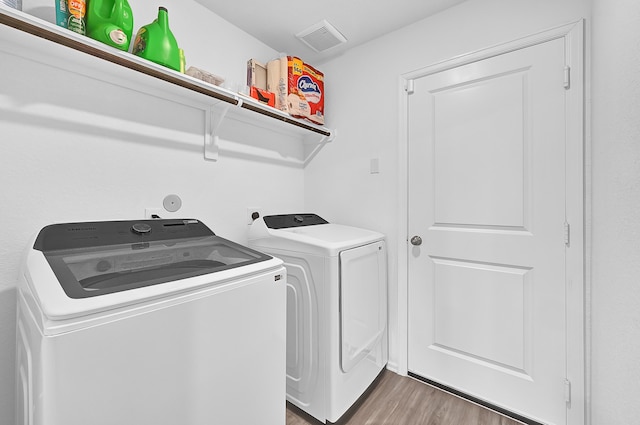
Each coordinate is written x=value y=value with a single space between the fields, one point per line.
x=155 y=42
x=111 y=22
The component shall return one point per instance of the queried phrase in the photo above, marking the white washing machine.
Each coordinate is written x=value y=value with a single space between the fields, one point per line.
x=149 y=322
x=336 y=308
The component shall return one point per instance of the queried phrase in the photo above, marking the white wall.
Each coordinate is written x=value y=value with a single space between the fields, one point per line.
x=53 y=172
x=74 y=148
x=363 y=104
x=616 y=212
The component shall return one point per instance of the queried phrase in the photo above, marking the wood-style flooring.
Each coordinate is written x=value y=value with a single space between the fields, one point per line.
x=401 y=400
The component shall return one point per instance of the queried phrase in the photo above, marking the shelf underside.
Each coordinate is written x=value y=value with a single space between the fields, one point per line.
x=186 y=86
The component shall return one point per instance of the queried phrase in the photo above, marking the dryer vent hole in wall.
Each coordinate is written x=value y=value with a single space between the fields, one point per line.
x=172 y=203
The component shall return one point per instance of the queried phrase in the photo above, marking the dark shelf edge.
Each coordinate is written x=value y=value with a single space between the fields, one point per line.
x=288 y=120
x=105 y=55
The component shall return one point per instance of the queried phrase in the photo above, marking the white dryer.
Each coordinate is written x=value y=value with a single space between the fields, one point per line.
x=336 y=308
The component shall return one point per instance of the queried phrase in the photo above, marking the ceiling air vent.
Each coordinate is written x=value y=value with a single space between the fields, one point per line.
x=321 y=36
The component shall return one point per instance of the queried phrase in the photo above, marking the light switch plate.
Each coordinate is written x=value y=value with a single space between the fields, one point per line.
x=375 y=166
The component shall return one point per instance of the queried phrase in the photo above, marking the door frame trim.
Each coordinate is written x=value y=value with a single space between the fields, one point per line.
x=577 y=206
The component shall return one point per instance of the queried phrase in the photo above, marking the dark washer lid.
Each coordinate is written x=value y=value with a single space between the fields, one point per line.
x=97 y=258
x=284 y=221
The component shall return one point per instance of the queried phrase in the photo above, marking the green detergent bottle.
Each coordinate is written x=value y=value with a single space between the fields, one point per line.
x=111 y=22
x=155 y=42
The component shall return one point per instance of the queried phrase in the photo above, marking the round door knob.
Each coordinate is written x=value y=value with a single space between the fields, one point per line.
x=416 y=240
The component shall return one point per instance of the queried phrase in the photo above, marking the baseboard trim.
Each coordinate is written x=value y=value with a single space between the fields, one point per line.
x=393 y=367
x=475 y=400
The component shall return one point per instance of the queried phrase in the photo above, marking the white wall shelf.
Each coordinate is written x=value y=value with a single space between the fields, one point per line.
x=35 y=39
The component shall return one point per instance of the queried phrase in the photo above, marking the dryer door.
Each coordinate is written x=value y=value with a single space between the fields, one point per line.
x=363 y=301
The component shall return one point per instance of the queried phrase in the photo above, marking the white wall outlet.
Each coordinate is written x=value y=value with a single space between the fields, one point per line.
x=150 y=212
x=251 y=214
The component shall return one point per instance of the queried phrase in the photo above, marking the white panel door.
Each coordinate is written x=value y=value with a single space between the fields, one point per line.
x=486 y=196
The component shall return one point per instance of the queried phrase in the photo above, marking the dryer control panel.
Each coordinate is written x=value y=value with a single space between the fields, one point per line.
x=284 y=221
